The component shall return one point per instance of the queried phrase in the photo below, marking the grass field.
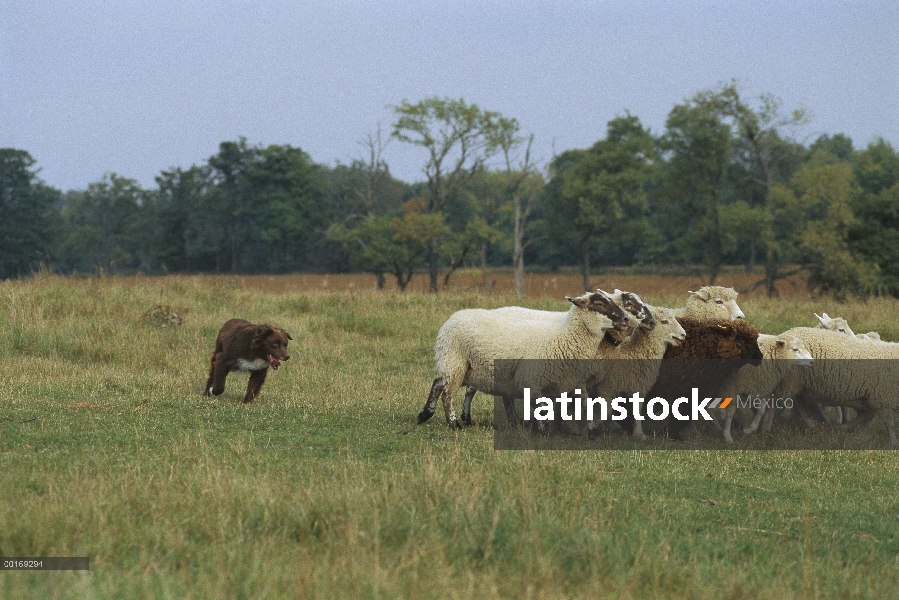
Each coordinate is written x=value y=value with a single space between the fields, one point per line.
x=107 y=450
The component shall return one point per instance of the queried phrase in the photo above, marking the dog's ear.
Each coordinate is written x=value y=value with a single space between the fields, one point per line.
x=266 y=331
x=287 y=334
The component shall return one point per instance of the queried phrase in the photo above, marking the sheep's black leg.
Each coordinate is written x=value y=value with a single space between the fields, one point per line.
x=886 y=414
x=816 y=411
x=466 y=404
x=431 y=403
x=511 y=415
x=863 y=418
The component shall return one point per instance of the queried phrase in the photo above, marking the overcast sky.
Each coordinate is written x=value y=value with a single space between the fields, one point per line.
x=136 y=87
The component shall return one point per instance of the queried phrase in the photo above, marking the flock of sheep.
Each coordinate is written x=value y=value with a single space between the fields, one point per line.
x=815 y=367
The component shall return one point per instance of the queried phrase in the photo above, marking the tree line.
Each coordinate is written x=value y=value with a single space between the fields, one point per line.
x=725 y=183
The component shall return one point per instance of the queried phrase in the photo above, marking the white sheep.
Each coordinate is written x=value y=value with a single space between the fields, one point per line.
x=840 y=325
x=628 y=301
x=708 y=303
x=631 y=303
x=845 y=375
x=837 y=324
x=711 y=302
x=471 y=340
x=780 y=355
x=634 y=365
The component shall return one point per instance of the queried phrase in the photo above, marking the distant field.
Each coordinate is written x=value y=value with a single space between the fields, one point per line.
x=108 y=451
x=537 y=285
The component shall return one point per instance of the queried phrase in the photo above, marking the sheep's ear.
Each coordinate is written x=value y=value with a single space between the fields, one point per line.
x=580 y=301
x=701 y=294
x=825 y=316
x=617 y=291
x=781 y=344
x=822 y=319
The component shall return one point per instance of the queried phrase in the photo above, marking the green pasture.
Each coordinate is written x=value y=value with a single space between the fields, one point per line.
x=108 y=450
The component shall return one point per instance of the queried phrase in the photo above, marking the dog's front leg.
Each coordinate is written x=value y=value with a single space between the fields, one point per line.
x=257 y=378
x=217 y=374
x=207 y=390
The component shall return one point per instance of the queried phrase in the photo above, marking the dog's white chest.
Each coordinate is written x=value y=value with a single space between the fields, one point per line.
x=252 y=365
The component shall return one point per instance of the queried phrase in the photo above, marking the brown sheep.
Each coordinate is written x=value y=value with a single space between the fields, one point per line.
x=716 y=340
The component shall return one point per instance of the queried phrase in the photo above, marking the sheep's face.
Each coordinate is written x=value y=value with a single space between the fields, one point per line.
x=634 y=305
x=791 y=347
x=833 y=324
x=714 y=302
x=601 y=304
x=674 y=333
x=738 y=342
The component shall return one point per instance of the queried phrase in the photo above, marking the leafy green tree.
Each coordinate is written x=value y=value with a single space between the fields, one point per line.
x=839 y=145
x=268 y=210
x=697 y=146
x=723 y=158
x=290 y=210
x=365 y=190
x=183 y=242
x=29 y=222
x=231 y=212
x=601 y=190
x=394 y=245
x=487 y=196
x=105 y=226
x=458 y=139
x=825 y=189
x=876 y=234
x=760 y=157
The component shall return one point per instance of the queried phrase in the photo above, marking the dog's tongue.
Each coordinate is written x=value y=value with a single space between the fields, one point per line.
x=274 y=362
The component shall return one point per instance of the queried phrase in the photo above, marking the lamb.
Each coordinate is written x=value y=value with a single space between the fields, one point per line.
x=721 y=340
x=628 y=301
x=641 y=358
x=780 y=355
x=869 y=388
x=471 y=340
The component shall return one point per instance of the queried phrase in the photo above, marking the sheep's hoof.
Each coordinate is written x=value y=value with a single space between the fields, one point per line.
x=466 y=420
x=424 y=416
x=455 y=424
x=748 y=431
x=640 y=436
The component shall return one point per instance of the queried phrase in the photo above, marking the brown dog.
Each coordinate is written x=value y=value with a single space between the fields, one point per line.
x=244 y=346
